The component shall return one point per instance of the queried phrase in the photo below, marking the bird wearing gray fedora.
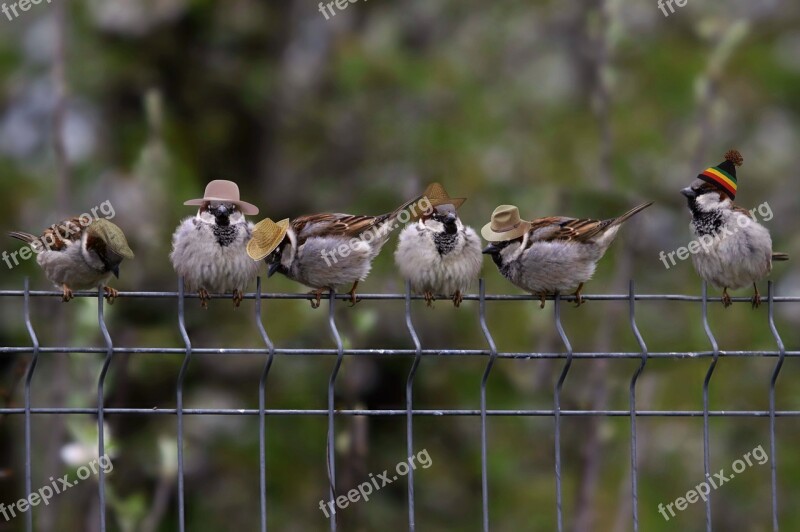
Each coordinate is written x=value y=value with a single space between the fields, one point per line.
x=209 y=249
x=552 y=255
x=438 y=254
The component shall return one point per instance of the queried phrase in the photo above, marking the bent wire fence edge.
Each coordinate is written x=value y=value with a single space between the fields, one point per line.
x=417 y=354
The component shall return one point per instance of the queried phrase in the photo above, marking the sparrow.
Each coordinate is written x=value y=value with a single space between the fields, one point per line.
x=209 y=249
x=736 y=249
x=550 y=255
x=439 y=254
x=80 y=254
x=323 y=251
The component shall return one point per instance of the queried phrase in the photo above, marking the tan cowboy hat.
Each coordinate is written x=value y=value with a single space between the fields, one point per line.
x=267 y=235
x=437 y=195
x=505 y=225
x=227 y=191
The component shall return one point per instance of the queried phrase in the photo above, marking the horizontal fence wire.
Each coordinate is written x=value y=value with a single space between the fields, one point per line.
x=417 y=354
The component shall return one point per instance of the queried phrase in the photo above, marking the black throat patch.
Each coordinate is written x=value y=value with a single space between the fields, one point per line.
x=707 y=223
x=225 y=235
x=445 y=243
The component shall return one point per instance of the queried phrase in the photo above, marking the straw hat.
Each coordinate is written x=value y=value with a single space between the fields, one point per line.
x=227 y=191
x=267 y=235
x=437 y=195
x=505 y=225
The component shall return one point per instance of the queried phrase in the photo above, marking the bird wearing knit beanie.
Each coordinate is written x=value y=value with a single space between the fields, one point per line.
x=734 y=250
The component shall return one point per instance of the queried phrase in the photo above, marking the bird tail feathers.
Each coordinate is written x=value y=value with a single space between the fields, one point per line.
x=625 y=217
x=25 y=237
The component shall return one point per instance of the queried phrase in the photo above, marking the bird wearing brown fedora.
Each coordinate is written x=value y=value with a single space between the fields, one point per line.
x=438 y=254
x=552 y=255
x=736 y=250
x=324 y=251
x=209 y=249
x=80 y=254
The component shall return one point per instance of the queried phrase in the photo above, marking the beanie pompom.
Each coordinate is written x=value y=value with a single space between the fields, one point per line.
x=735 y=157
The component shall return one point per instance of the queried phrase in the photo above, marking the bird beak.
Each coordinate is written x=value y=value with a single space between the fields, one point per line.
x=222 y=210
x=490 y=249
x=450 y=218
x=115 y=270
x=689 y=193
x=273 y=268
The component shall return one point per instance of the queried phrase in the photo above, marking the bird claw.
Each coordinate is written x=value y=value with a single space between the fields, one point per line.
x=353 y=298
x=756 y=301
x=316 y=301
x=726 y=299
x=578 y=297
x=457 y=299
x=542 y=297
x=238 y=297
x=429 y=299
x=205 y=297
x=66 y=294
x=110 y=294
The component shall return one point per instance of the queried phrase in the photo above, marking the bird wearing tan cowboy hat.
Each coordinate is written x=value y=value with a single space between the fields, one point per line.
x=209 y=249
x=324 y=251
x=438 y=254
x=552 y=255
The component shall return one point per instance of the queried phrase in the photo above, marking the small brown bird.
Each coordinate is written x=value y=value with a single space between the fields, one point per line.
x=209 y=249
x=324 y=251
x=736 y=250
x=550 y=255
x=438 y=254
x=80 y=254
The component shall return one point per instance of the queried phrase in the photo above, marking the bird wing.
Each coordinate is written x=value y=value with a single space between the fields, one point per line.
x=741 y=210
x=345 y=225
x=555 y=228
x=57 y=237
x=577 y=229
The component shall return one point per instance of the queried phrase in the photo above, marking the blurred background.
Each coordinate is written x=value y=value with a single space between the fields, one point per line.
x=570 y=107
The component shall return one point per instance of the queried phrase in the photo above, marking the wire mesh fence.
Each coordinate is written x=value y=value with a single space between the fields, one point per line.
x=417 y=354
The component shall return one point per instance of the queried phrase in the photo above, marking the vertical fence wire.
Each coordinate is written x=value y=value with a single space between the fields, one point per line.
x=179 y=399
x=410 y=405
x=557 y=410
x=634 y=380
x=773 y=381
x=706 y=381
x=484 y=380
x=262 y=406
x=331 y=441
x=27 y=392
x=101 y=440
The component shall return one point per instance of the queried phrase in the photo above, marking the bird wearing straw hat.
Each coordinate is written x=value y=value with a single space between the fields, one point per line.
x=323 y=251
x=209 y=249
x=736 y=250
x=79 y=254
x=438 y=254
x=552 y=255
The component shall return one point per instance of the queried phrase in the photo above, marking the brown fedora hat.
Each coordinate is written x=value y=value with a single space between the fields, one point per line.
x=227 y=191
x=437 y=195
x=267 y=235
x=505 y=225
